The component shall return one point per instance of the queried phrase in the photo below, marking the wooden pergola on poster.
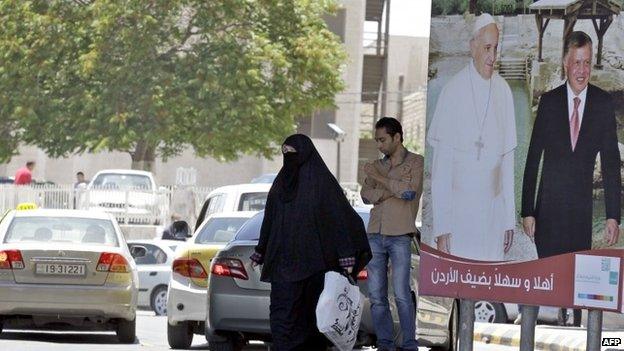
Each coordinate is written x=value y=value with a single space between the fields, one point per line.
x=600 y=12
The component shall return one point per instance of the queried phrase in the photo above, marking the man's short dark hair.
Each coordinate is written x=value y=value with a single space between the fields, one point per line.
x=392 y=126
x=80 y=174
x=30 y=163
x=577 y=40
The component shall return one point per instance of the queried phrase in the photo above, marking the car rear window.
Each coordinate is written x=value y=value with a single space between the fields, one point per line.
x=71 y=230
x=220 y=230
x=251 y=229
x=252 y=201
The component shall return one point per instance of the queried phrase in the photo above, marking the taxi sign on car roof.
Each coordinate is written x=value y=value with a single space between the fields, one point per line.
x=26 y=206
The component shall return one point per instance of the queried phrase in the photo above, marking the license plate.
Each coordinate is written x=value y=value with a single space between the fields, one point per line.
x=60 y=269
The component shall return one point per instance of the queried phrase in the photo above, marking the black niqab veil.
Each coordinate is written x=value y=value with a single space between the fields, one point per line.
x=308 y=222
x=288 y=177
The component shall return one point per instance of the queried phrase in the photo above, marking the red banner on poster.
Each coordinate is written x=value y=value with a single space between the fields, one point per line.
x=586 y=279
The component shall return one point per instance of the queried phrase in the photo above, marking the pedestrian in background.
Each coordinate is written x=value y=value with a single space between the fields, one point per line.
x=79 y=188
x=23 y=176
x=309 y=228
x=393 y=185
x=80 y=180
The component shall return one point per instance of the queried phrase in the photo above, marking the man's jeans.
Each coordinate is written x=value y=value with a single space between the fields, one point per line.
x=398 y=250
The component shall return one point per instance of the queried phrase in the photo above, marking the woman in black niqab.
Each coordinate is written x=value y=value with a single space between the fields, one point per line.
x=309 y=228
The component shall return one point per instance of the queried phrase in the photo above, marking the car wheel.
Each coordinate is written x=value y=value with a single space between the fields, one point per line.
x=490 y=312
x=159 y=300
x=180 y=336
x=232 y=342
x=126 y=331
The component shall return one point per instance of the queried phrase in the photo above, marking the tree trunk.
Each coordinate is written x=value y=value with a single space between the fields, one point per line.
x=143 y=156
x=472 y=7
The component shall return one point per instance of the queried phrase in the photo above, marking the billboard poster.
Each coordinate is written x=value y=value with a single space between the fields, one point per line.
x=524 y=113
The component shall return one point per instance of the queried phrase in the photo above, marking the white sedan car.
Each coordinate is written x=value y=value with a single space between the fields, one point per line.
x=154 y=272
x=67 y=267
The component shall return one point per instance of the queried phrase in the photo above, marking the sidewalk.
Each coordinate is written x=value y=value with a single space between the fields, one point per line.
x=547 y=337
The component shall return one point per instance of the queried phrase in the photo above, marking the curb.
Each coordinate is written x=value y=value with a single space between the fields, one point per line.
x=546 y=337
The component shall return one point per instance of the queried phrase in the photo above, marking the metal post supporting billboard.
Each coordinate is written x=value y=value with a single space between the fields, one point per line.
x=466 y=324
x=594 y=330
x=527 y=327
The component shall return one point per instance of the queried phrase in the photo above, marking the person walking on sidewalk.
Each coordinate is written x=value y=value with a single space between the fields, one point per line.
x=309 y=228
x=393 y=185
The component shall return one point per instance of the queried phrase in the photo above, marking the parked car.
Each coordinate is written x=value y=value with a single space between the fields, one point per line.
x=154 y=272
x=67 y=267
x=242 y=197
x=130 y=195
x=496 y=312
x=186 y=305
x=6 y=180
x=238 y=302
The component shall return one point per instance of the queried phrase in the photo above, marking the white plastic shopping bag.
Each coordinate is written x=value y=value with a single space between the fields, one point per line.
x=339 y=311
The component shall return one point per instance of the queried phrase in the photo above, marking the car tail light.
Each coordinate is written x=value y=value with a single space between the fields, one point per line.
x=11 y=259
x=229 y=267
x=363 y=275
x=112 y=262
x=189 y=267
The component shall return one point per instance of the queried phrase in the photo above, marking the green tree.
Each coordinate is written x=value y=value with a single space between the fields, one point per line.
x=154 y=77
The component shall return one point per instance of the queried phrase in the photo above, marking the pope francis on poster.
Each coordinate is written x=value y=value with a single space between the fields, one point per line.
x=473 y=138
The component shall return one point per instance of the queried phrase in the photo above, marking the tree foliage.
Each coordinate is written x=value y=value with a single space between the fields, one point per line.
x=153 y=77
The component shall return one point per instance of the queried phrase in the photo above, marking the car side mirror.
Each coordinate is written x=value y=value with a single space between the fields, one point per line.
x=138 y=251
x=181 y=230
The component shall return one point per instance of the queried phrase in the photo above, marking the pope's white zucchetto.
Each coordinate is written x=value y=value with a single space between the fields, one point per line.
x=482 y=21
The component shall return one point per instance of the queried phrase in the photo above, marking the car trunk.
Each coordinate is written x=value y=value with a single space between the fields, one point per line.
x=242 y=252
x=63 y=264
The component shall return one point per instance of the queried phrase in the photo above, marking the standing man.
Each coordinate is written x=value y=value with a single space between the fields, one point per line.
x=575 y=122
x=23 y=176
x=79 y=187
x=473 y=137
x=393 y=185
x=80 y=180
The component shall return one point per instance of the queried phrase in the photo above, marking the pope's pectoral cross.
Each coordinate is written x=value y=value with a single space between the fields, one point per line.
x=479 y=144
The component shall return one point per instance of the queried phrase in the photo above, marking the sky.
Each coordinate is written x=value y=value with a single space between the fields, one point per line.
x=408 y=18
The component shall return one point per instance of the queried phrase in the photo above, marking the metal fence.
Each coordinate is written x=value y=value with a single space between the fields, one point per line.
x=129 y=206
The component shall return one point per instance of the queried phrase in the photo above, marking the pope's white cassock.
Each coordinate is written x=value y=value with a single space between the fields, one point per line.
x=472 y=174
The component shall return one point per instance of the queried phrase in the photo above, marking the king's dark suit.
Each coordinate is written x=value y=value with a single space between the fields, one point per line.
x=563 y=208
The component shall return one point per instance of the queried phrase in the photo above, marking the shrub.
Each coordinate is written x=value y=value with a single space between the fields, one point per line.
x=448 y=7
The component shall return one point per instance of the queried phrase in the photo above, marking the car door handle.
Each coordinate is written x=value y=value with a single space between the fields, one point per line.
x=153 y=274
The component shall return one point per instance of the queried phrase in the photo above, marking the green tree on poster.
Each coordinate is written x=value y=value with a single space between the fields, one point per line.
x=154 y=77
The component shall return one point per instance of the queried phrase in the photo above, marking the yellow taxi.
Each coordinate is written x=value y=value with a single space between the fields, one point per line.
x=187 y=292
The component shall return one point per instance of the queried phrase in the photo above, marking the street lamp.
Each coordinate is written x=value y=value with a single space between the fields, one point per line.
x=339 y=136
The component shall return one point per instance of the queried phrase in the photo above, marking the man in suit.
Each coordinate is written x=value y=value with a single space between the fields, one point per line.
x=575 y=122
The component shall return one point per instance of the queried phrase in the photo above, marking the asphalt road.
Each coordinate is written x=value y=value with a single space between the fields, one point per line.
x=152 y=335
